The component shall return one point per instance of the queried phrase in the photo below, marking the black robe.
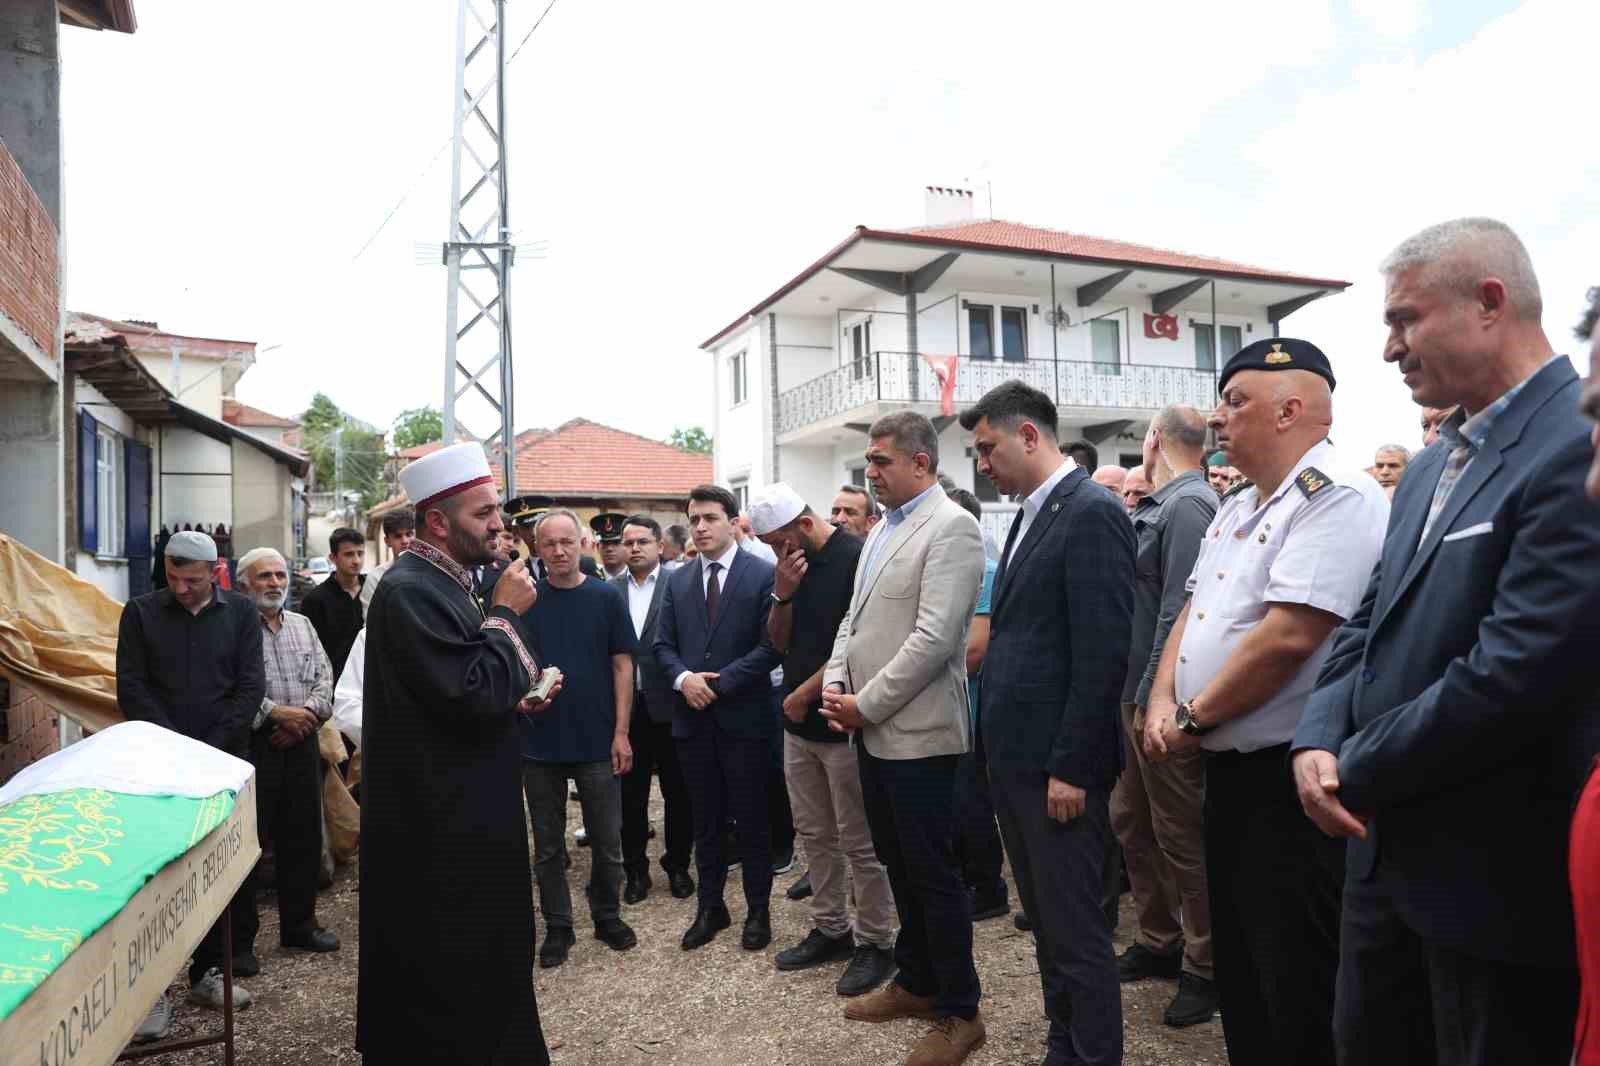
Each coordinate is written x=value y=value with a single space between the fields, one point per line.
x=446 y=967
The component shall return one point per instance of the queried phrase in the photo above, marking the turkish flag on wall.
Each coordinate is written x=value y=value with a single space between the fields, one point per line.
x=1161 y=327
x=944 y=369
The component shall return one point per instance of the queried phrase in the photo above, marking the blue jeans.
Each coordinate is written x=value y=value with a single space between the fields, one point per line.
x=600 y=796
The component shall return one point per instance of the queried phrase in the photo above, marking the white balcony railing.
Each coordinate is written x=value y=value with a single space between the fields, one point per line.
x=906 y=378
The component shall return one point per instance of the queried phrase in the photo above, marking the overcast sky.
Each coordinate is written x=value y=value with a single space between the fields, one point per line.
x=226 y=164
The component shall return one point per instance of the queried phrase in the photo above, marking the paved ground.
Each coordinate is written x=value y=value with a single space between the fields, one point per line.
x=656 y=1005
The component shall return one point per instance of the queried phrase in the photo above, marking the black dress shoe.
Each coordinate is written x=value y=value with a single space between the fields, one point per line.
x=1196 y=1002
x=314 y=939
x=707 y=924
x=757 y=930
x=817 y=949
x=681 y=883
x=246 y=964
x=558 y=941
x=1139 y=962
x=615 y=934
x=869 y=967
x=801 y=889
x=582 y=837
x=1022 y=921
x=637 y=888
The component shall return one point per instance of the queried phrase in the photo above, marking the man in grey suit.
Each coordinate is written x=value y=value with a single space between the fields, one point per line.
x=898 y=678
x=1446 y=735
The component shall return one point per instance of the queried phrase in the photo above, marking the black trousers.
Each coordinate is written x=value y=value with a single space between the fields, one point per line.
x=978 y=848
x=1402 y=999
x=1274 y=881
x=910 y=807
x=780 y=816
x=654 y=752
x=729 y=776
x=1060 y=872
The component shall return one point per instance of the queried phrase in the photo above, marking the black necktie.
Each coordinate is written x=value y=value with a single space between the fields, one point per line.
x=1005 y=553
x=711 y=593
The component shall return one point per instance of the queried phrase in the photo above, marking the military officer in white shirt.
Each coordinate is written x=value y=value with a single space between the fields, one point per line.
x=1285 y=561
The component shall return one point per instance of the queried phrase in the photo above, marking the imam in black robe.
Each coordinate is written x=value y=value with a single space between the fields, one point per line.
x=446 y=964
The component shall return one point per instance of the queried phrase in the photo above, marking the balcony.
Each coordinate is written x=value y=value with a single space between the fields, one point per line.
x=885 y=381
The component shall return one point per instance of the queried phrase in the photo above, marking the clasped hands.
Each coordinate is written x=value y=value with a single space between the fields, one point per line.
x=293 y=724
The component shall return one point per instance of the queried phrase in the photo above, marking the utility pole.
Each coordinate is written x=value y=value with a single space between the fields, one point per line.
x=478 y=253
x=338 y=470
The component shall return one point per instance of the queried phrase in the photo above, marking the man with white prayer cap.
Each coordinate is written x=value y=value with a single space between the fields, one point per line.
x=810 y=595
x=446 y=891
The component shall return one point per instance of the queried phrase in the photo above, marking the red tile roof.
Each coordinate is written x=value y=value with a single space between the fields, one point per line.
x=980 y=235
x=242 y=414
x=587 y=459
x=419 y=450
x=1018 y=237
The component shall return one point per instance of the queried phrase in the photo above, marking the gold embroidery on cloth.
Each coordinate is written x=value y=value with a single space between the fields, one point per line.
x=45 y=839
x=55 y=946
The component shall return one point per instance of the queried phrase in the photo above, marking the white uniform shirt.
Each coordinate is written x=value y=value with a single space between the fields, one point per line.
x=349 y=692
x=1290 y=547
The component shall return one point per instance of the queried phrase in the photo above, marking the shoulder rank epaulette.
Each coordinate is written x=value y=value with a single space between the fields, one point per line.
x=1234 y=490
x=1312 y=481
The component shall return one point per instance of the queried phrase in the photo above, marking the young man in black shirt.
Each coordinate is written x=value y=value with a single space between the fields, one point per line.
x=189 y=659
x=811 y=593
x=335 y=607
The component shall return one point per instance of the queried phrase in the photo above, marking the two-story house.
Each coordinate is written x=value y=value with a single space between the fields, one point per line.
x=931 y=318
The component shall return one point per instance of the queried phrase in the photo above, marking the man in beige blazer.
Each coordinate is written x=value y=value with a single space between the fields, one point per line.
x=898 y=679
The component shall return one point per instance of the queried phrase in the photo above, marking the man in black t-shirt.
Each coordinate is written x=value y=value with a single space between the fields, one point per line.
x=811 y=594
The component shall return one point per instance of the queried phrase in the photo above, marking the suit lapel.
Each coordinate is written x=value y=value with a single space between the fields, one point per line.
x=1036 y=531
x=898 y=539
x=655 y=600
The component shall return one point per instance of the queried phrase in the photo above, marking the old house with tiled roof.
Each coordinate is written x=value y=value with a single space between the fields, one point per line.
x=932 y=317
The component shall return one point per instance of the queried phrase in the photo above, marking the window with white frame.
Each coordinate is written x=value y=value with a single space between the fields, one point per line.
x=1106 y=345
x=1205 y=344
x=859 y=348
x=109 y=493
x=739 y=373
x=1011 y=340
x=740 y=487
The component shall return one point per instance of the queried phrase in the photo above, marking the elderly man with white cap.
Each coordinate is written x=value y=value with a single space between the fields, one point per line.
x=810 y=596
x=189 y=660
x=446 y=892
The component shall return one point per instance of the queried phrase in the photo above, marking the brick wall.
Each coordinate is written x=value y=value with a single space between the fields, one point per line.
x=30 y=277
x=31 y=731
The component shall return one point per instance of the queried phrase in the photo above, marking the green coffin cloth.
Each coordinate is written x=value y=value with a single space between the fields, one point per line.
x=69 y=861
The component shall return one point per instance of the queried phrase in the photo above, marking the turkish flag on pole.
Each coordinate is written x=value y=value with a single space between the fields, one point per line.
x=944 y=369
x=1164 y=327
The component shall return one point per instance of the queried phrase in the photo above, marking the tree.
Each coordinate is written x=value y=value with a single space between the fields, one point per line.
x=692 y=439
x=417 y=426
x=347 y=454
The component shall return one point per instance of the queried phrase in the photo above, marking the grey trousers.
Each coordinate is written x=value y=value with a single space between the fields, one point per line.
x=600 y=795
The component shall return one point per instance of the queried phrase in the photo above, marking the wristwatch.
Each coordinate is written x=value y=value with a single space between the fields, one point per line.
x=782 y=601
x=1185 y=722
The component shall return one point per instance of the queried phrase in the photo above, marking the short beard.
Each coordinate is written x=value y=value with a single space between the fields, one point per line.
x=271 y=600
x=467 y=550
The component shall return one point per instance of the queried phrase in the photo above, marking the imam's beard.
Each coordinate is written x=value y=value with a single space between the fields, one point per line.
x=466 y=549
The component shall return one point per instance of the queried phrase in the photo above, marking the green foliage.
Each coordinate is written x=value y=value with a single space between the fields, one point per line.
x=348 y=454
x=417 y=426
x=693 y=439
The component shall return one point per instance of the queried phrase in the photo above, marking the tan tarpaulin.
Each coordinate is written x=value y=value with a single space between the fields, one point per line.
x=58 y=635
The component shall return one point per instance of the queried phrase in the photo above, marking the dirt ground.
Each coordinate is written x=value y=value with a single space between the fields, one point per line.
x=657 y=1005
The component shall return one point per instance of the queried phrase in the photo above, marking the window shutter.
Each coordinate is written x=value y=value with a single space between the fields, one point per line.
x=136 y=532
x=88 y=483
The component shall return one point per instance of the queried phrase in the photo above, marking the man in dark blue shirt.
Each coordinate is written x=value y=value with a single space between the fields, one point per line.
x=580 y=626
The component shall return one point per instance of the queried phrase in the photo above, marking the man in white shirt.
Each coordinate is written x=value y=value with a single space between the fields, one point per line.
x=650 y=727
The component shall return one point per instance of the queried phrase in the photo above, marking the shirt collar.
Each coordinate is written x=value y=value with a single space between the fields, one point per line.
x=648 y=578
x=1160 y=495
x=726 y=558
x=1474 y=430
x=458 y=573
x=905 y=510
x=1037 y=497
x=1321 y=450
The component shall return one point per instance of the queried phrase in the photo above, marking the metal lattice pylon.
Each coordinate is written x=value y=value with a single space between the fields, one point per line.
x=478 y=252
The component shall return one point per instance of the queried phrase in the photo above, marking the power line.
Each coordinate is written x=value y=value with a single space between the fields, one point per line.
x=413 y=188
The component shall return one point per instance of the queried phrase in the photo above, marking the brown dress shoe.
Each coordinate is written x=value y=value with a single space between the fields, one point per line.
x=888 y=1003
x=949 y=1042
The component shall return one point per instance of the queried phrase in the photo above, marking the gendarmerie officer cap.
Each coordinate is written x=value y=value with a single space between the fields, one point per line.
x=1278 y=353
x=525 y=510
x=607 y=527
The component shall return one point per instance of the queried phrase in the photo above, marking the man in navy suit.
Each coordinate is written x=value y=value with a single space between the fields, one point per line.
x=1061 y=622
x=1445 y=736
x=711 y=639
